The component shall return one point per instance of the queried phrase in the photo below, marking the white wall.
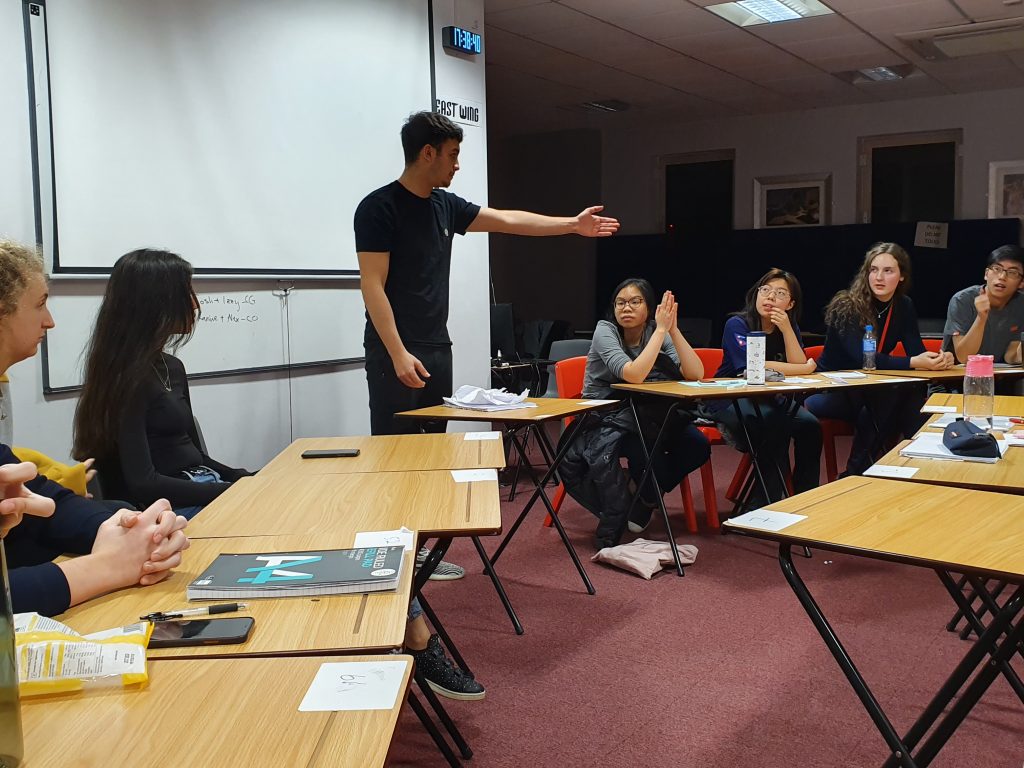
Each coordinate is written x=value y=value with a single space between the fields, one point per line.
x=247 y=420
x=823 y=140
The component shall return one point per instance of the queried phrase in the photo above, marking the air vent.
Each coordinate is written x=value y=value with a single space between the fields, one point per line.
x=967 y=39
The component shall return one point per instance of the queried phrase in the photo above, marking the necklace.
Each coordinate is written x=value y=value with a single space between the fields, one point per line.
x=165 y=380
x=884 y=309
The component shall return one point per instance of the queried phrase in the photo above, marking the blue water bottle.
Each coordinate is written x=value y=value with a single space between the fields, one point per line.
x=869 y=346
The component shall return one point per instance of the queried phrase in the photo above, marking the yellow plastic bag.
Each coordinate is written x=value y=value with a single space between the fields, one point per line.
x=53 y=658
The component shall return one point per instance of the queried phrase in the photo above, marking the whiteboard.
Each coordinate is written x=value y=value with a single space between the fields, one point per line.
x=241 y=134
x=243 y=327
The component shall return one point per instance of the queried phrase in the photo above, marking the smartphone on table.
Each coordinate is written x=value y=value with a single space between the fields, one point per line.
x=330 y=453
x=189 y=632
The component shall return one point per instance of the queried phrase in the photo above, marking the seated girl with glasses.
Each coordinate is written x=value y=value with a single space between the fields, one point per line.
x=772 y=306
x=877 y=296
x=639 y=341
x=135 y=413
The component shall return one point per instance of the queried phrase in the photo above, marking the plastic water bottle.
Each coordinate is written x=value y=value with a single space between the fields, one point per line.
x=979 y=390
x=11 y=745
x=755 y=357
x=869 y=346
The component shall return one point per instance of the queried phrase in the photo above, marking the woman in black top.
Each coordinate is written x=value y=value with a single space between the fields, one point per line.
x=135 y=414
x=876 y=297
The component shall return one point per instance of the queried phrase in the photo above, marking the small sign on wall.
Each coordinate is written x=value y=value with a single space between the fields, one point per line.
x=931 y=234
x=461 y=111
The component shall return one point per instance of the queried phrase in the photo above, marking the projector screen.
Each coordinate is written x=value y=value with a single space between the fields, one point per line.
x=240 y=134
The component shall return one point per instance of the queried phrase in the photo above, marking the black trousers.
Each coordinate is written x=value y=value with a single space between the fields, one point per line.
x=388 y=395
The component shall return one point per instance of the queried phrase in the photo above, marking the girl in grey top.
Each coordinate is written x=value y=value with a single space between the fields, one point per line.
x=640 y=341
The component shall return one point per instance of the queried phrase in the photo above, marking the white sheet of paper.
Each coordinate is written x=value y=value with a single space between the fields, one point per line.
x=482 y=435
x=775 y=389
x=402 y=537
x=473 y=475
x=354 y=685
x=800 y=380
x=845 y=375
x=882 y=470
x=596 y=402
x=939 y=409
x=766 y=520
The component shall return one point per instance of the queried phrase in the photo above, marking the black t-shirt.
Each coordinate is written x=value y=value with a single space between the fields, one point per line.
x=418 y=233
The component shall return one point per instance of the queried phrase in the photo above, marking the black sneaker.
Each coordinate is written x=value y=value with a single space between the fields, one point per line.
x=443 y=676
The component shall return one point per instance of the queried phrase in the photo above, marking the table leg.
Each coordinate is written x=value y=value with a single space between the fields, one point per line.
x=498 y=586
x=435 y=734
x=443 y=716
x=539 y=493
x=900 y=752
x=649 y=473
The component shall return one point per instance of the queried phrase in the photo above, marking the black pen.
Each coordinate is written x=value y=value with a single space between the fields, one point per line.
x=208 y=610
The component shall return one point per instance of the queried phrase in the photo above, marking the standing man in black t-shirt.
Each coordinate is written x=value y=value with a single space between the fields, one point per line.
x=404 y=234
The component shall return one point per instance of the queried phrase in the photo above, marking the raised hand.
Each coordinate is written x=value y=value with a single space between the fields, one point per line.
x=589 y=224
x=780 y=319
x=666 y=312
x=982 y=304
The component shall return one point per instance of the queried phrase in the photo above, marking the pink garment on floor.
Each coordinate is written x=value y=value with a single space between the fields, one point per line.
x=645 y=557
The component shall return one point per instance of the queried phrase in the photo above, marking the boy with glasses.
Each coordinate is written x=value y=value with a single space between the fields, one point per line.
x=988 y=319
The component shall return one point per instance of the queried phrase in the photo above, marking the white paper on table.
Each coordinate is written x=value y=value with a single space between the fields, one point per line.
x=799 y=380
x=721 y=383
x=999 y=423
x=354 y=685
x=596 y=402
x=481 y=435
x=766 y=520
x=845 y=375
x=473 y=475
x=884 y=470
x=402 y=537
x=938 y=409
x=776 y=389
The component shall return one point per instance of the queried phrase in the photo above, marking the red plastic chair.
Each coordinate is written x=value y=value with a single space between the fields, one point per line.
x=830 y=428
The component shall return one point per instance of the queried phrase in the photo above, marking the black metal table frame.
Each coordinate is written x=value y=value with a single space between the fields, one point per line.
x=554 y=459
x=987 y=658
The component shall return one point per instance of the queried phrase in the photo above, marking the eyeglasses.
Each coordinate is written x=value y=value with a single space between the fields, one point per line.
x=1012 y=273
x=779 y=293
x=636 y=302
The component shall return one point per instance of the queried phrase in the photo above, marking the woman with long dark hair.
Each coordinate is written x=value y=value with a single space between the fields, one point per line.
x=639 y=341
x=877 y=296
x=772 y=306
x=135 y=414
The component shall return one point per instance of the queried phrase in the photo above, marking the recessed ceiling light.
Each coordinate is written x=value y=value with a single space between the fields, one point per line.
x=748 y=13
x=868 y=75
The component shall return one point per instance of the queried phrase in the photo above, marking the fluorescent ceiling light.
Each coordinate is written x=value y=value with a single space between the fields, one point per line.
x=747 y=13
x=880 y=74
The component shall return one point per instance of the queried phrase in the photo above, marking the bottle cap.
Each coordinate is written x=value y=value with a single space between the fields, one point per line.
x=980 y=365
x=868 y=328
x=756 y=333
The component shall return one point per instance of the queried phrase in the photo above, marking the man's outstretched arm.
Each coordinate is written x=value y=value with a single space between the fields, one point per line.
x=587 y=223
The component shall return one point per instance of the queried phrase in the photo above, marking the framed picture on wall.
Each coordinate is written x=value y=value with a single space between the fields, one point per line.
x=1006 y=189
x=793 y=201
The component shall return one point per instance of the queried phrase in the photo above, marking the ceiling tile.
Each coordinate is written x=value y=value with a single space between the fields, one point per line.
x=493 y=6
x=616 y=10
x=988 y=10
x=833 y=47
x=804 y=29
x=911 y=17
x=685 y=20
x=534 y=19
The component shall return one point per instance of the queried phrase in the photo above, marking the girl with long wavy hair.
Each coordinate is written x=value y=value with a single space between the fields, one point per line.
x=876 y=297
x=135 y=413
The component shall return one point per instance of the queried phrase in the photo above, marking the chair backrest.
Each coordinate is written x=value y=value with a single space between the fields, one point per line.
x=814 y=352
x=569 y=376
x=562 y=349
x=696 y=330
x=711 y=358
x=933 y=345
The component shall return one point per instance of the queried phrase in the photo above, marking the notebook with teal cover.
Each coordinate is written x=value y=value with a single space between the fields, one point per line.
x=298 y=574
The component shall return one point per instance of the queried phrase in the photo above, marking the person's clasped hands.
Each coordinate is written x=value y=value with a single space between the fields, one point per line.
x=144 y=547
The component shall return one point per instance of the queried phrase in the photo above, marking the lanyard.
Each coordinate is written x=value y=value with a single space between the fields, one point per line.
x=885 y=329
